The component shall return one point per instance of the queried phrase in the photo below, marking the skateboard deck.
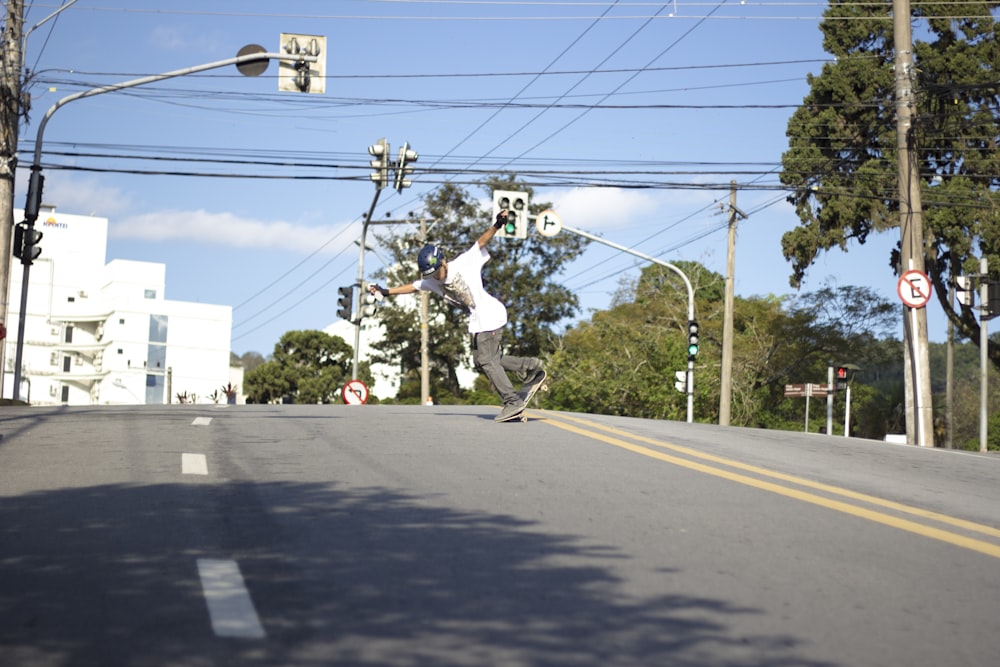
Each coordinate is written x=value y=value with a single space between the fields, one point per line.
x=526 y=396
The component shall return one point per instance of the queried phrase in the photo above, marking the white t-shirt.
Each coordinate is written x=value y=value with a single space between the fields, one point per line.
x=464 y=287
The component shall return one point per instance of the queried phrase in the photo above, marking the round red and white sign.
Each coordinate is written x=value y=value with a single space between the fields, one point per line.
x=914 y=288
x=354 y=393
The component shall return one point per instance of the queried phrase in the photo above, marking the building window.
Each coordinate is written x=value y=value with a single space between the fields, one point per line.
x=66 y=364
x=71 y=299
x=157 y=328
x=65 y=393
x=120 y=351
x=150 y=294
x=121 y=321
x=69 y=334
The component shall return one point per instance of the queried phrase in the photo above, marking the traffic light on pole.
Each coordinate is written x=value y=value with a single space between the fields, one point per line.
x=370 y=307
x=345 y=302
x=692 y=339
x=26 y=240
x=840 y=378
x=299 y=75
x=516 y=205
x=681 y=383
x=406 y=156
x=380 y=164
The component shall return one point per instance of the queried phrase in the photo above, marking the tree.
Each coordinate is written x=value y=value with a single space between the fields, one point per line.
x=306 y=366
x=521 y=273
x=841 y=160
x=622 y=361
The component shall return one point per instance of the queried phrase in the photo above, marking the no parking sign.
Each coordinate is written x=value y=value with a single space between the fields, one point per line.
x=354 y=393
x=914 y=289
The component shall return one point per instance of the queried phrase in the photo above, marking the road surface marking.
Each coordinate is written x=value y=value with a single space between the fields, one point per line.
x=194 y=464
x=201 y=421
x=229 y=604
x=955 y=539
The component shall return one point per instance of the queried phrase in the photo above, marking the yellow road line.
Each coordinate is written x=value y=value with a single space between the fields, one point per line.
x=981 y=546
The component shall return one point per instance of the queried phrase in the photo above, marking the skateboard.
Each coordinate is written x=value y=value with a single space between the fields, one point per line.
x=526 y=396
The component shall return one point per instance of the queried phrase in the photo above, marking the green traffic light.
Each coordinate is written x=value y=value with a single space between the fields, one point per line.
x=509 y=228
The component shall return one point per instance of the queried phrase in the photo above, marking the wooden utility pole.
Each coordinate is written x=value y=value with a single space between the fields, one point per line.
x=11 y=65
x=726 y=377
x=919 y=409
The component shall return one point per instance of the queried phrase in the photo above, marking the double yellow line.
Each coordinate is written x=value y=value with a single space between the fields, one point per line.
x=694 y=461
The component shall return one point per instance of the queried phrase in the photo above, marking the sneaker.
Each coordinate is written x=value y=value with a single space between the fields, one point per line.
x=510 y=410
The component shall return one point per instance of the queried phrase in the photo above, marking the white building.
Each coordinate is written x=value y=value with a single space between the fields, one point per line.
x=102 y=333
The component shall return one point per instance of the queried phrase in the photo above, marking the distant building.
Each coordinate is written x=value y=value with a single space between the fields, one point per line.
x=102 y=333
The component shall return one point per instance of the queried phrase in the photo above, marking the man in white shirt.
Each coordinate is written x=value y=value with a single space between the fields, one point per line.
x=460 y=281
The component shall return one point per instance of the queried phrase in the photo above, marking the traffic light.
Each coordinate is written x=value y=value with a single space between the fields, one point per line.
x=370 y=307
x=380 y=164
x=26 y=239
x=681 y=384
x=299 y=76
x=992 y=308
x=692 y=339
x=516 y=205
x=345 y=302
x=406 y=156
x=840 y=378
x=965 y=292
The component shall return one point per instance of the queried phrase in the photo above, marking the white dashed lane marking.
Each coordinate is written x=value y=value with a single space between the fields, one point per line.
x=201 y=421
x=194 y=464
x=229 y=604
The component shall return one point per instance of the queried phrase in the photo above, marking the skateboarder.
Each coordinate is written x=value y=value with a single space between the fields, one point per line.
x=460 y=281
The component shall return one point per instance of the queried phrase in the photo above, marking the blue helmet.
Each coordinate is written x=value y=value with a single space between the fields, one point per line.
x=430 y=259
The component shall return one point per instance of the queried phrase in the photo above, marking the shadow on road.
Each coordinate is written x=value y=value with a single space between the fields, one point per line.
x=107 y=576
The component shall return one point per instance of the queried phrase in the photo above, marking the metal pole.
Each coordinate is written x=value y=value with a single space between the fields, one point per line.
x=829 y=400
x=360 y=283
x=984 y=357
x=690 y=291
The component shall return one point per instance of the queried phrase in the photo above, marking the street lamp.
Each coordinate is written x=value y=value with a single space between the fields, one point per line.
x=247 y=62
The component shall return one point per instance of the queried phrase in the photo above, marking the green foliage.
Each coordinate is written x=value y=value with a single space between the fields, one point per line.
x=842 y=159
x=306 y=367
x=521 y=273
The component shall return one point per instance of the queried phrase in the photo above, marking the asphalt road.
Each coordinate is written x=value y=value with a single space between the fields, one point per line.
x=392 y=535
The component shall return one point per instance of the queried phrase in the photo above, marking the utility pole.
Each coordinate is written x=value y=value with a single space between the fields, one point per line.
x=425 y=366
x=919 y=412
x=726 y=377
x=11 y=65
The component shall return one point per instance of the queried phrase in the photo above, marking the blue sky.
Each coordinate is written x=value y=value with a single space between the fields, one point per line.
x=699 y=92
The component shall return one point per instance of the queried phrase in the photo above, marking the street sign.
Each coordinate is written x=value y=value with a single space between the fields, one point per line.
x=802 y=390
x=548 y=223
x=914 y=288
x=354 y=393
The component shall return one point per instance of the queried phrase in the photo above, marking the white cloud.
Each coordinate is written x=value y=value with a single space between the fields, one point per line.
x=603 y=208
x=230 y=230
x=86 y=196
